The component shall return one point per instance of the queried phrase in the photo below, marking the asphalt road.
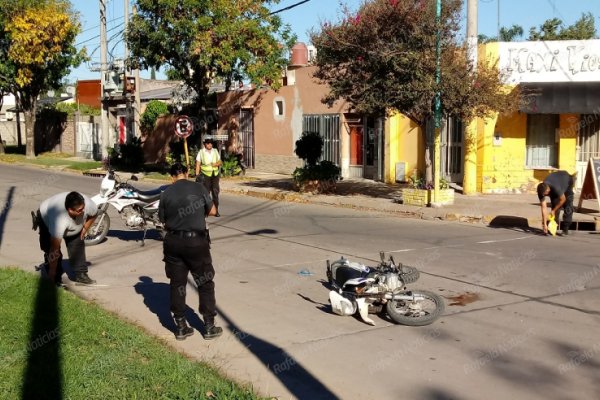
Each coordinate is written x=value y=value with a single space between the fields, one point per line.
x=521 y=316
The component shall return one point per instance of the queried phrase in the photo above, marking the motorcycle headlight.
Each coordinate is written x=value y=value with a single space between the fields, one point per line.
x=106 y=186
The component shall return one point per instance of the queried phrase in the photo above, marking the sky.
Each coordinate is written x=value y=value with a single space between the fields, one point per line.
x=302 y=18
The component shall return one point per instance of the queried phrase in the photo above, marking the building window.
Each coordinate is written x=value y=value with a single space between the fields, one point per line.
x=541 y=140
x=279 y=108
x=588 y=140
x=328 y=126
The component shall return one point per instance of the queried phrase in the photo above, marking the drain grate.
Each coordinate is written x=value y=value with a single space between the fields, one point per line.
x=583 y=226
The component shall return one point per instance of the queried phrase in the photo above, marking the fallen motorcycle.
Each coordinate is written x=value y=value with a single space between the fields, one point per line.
x=367 y=290
x=137 y=208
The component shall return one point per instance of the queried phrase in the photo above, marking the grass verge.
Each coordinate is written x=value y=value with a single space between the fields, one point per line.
x=56 y=345
x=45 y=160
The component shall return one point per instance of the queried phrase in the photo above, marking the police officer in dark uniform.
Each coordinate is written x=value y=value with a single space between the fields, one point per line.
x=183 y=208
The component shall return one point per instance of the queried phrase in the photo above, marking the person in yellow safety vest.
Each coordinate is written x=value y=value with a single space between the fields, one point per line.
x=208 y=164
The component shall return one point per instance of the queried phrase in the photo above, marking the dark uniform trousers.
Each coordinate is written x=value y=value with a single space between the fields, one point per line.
x=567 y=207
x=75 y=250
x=190 y=254
x=211 y=183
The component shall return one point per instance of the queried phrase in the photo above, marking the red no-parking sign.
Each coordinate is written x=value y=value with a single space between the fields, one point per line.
x=184 y=126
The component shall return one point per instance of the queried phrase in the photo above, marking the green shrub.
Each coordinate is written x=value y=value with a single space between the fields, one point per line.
x=230 y=166
x=154 y=109
x=324 y=171
x=309 y=147
x=177 y=154
x=71 y=108
x=128 y=157
x=417 y=182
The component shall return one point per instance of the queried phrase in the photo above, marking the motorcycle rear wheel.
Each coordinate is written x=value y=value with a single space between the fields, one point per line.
x=98 y=230
x=423 y=312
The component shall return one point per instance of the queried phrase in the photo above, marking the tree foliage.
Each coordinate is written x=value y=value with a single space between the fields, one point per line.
x=309 y=147
x=553 y=29
x=512 y=34
x=37 y=48
x=154 y=109
x=383 y=59
x=201 y=39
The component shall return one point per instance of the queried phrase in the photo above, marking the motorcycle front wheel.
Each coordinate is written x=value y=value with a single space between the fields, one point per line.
x=417 y=313
x=98 y=230
x=408 y=274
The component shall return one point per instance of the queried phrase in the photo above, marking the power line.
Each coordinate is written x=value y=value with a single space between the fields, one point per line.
x=289 y=7
x=98 y=26
x=97 y=36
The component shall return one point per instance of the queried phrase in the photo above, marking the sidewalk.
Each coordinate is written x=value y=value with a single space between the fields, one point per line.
x=506 y=210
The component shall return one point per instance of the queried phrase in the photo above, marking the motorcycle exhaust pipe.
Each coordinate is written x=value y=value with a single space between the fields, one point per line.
x=404 y=296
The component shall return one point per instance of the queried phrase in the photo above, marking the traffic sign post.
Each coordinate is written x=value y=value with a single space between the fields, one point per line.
x=184 y=128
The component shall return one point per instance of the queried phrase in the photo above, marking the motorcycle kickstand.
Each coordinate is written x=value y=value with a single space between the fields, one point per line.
x=144 y=237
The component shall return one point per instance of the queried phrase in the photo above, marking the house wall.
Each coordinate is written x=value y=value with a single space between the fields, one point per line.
x=501 y=168
x=8 y=131
x=156 y=143
x=275 y=135
x=405 y=145
x=88 y=92
x=567 y=146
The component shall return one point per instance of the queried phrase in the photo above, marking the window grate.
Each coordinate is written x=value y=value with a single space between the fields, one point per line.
x=328 y=126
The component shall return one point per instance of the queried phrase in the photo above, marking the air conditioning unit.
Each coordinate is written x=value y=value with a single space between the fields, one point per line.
x=9 y=115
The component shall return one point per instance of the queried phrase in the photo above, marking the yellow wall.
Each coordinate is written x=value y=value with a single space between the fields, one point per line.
x=503 y=165
x=502 y=168
x=405 y=144
x=567 y=146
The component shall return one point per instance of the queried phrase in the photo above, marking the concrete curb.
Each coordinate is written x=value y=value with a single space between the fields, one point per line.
x=300 y=198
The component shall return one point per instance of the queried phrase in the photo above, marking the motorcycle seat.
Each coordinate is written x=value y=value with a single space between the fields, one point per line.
x=150 y=195
x=344 y=274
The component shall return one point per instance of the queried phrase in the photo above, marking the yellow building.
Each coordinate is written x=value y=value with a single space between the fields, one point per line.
x=559 y=128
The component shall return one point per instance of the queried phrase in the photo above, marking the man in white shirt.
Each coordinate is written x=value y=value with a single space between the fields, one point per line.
x=208 y=165
x=65 y=216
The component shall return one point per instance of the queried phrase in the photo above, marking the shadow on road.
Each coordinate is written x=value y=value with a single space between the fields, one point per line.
x=136 y=236
x=510 y=221
x=5 y=209
x=156 y=299
x=290 y=372
x=43 y=374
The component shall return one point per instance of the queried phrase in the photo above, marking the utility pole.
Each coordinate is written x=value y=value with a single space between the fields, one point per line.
x=438 y=107
x=470 y=139
x=138 y=92
x=125 y=82
x=104 y=122
x=498 y=21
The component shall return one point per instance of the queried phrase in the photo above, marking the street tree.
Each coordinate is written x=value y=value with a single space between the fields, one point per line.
x=382 y=60
x=38 y=43
x=199 y=40
x=553 y=29
x=512 y=34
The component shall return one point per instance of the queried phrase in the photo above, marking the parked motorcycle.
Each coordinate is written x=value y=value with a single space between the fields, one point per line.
x=367 y=290
x=137 y=208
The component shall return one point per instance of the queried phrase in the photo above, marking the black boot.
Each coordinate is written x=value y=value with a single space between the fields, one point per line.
x=212 y=331
x=565 y=228
x=182 y=329
x=82 y=278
